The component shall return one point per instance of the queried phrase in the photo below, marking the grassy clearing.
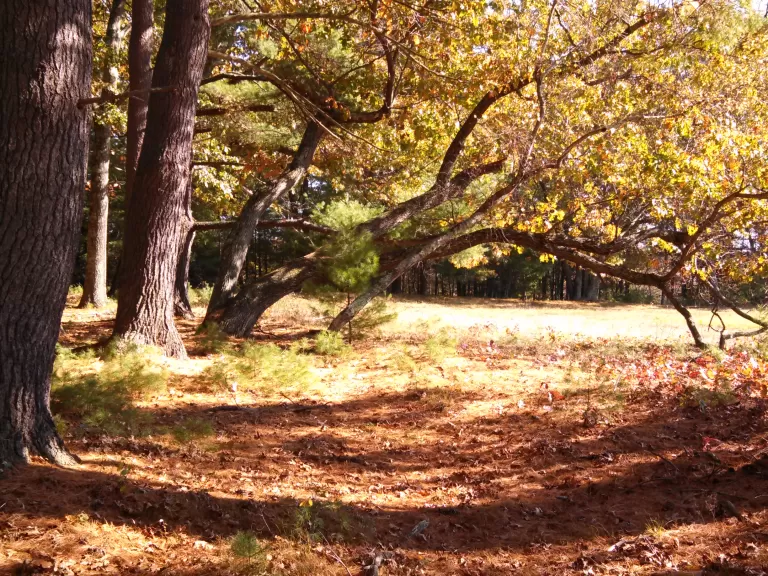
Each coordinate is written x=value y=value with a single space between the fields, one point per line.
x=574 y=319
x=527 y=447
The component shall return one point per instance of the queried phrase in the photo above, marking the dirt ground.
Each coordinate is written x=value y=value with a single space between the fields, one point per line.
x=532 y=440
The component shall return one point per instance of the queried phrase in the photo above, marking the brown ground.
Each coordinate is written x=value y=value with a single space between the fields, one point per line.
x=492 y=446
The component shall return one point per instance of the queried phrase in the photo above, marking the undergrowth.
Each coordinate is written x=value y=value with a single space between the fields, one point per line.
x=329 y=343
x=212 y=338
x=192 y=429
x=249 y=552
x=403 y=360
x=200 y=297
x=102 y=394
x=263 y=367
x=440 y=345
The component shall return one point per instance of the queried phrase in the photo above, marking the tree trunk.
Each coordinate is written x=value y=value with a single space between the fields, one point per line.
x=593 y=291
x=140 y=78
x=578 y=284
x=236 y=246
x=423 y=284
x=181 y=304
x=46 y=69
x=95 y=285
x=156 y=220
x=244 y=310
x=686 y=314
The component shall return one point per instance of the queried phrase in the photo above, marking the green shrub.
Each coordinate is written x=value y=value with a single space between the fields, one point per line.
x=265 y=367
x=318 y=521
x=704 y=398
x=331 y=343
x=104 y=397
x=200 y=297
x=634 y=296
x=192 y=429
x=269 y=367
x=213 y=339
x=372 y=317
x=440 y=345
x=403 y=361
x=219 y=376
x=245 y=546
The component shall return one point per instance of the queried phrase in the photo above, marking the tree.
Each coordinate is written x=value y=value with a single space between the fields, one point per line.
x=46 y=70
x=140 y=48
x=95 y=285
x=316 y=83
x=140 y=79
x=614 y=146
x=155 y=220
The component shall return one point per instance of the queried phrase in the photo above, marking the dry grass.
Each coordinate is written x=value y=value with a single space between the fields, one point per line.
x=530 y=451
x=569 y=318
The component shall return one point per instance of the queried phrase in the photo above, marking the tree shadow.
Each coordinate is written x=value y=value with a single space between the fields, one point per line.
x=511 y=482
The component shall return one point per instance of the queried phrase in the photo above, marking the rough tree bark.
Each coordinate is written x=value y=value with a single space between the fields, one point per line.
x=156 y=221
x=235 y=248
x=140 y=78
x=44 y=71
x=95 y=285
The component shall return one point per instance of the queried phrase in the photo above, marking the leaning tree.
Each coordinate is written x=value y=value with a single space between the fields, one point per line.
x=332 y=65
x=46 y=71
x=584 y=87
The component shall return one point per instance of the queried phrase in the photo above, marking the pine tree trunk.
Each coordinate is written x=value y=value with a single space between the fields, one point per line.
x=95 y=285
x=156 y=220
x=140 y=78
x=235 y=248
x=593 y=293
x=46 y=69
x=578 y=284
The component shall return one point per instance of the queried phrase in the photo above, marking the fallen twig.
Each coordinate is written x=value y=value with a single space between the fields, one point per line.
x=335 y=556
x=665 y=459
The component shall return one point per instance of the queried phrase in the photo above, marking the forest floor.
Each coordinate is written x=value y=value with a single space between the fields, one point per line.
x=469 y=437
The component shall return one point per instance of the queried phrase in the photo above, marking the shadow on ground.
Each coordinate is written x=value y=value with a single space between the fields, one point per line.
x=566 y=485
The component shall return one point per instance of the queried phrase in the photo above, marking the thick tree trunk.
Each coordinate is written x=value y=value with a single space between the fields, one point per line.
x=578 y=284
x=45 y=70
x=156 y=220
x=95 y=285
x=235 y=248
x=593 y=287
x=140 y=78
